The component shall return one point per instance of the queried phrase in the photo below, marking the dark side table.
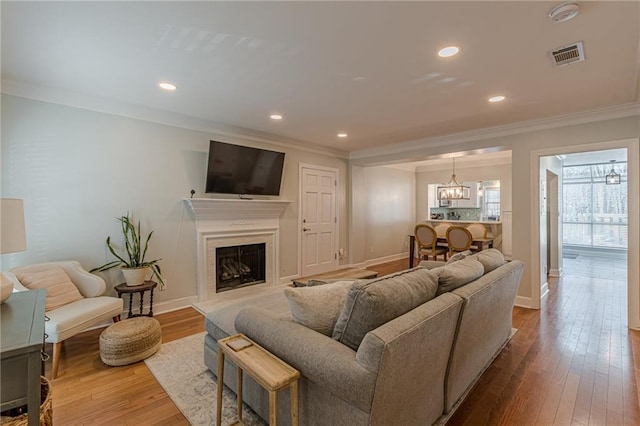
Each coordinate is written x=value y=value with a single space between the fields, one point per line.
x=146 y=286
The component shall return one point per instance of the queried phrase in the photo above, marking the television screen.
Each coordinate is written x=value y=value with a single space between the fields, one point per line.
x=235 y=169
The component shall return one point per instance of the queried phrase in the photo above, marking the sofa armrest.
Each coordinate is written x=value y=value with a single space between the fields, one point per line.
x=17 y=285
x=88 y=284
x=322 y=360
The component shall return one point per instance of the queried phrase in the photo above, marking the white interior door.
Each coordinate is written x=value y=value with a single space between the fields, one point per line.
x=318 y=220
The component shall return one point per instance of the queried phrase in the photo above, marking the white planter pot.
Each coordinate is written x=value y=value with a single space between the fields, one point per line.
x=136 y=276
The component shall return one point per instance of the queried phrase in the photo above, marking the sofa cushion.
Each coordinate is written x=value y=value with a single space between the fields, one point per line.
x=60 y=290
x=219 y=322
x=459 y=256
x=371 y=303
x=318 y=307
x=490 y=259
x=458 y=274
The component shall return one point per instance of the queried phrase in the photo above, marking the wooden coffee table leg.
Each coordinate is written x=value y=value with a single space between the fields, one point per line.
x=239 y=394
x=273 y=408
x=293 y=391
x=220 y=386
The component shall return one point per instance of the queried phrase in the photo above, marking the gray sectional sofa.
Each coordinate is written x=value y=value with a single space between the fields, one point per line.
x=403 y=349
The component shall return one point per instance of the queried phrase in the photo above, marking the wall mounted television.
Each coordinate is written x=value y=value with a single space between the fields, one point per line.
x=242 y=170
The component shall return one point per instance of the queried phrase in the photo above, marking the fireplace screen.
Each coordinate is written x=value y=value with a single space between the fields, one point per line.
x=240 y=266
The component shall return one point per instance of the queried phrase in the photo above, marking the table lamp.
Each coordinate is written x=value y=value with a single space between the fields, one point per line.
x=12 y=236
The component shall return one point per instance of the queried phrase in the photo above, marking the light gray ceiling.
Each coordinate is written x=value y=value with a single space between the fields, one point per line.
x=366 y=68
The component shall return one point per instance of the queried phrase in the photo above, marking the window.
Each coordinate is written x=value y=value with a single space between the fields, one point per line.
x=594 y=214
x=491 y=201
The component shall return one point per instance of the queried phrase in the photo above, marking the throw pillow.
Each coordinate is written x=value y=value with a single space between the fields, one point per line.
x=459 y=256
x=490 y=259
x=458 y=274
x=372 y=303
x=60 y=290
x=318 y=307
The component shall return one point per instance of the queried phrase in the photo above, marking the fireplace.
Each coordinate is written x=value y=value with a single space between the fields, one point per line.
x=228 y=231
x=240 y=266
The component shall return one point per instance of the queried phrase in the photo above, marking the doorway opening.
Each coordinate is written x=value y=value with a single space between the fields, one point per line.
x=594 y=216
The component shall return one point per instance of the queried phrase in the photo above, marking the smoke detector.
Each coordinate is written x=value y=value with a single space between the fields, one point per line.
x=564 y=12
x=568 y=54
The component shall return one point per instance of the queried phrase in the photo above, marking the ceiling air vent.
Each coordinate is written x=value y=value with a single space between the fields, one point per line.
x=566 y=55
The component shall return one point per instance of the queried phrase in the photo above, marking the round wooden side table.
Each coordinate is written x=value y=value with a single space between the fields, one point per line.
x=146 y=286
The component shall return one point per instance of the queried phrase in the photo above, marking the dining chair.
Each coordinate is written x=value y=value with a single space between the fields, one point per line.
x=458 y=239
x=427 y=240
x=441 y=229
x=477 y=230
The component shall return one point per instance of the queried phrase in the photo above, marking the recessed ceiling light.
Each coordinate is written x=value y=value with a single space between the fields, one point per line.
x=167 y=86
x=495 y=99
x=342 y=135
x=275 y=117
x=448 y=51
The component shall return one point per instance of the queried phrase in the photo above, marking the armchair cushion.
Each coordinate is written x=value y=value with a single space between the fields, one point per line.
x=76 y=317
x=60 y=290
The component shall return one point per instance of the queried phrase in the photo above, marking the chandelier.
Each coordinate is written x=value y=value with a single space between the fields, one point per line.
x=612 y=178
x=454 y=190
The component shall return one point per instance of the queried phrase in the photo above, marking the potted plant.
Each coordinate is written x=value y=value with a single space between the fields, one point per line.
x=134 y=266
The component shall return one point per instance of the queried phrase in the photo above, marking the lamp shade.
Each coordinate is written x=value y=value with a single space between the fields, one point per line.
x=12 y=231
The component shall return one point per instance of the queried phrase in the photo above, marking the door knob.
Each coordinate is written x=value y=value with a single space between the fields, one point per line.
x=306 y=229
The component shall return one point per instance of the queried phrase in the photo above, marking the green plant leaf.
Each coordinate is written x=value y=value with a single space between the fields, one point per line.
x=132 y=234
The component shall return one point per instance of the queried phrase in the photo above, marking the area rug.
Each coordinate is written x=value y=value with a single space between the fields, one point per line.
x=180 y=369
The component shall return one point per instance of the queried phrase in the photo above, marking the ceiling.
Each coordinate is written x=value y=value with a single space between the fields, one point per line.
x=369 y=69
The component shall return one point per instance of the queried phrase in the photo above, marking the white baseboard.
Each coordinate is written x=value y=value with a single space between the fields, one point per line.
x=385 y=259
x=556 y=273
x=173 y=305
x=289 y=279
x=524 y=302
x=161 y=307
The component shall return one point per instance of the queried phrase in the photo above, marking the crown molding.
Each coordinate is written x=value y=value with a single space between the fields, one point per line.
x=139 y=112
x=602 y=114
x=463 y=166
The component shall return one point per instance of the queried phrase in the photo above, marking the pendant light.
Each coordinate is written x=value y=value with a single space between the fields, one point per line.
x=612 y=178
x=454 y=190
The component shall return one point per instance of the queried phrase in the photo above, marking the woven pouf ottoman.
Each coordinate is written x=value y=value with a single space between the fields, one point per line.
x=130 y=340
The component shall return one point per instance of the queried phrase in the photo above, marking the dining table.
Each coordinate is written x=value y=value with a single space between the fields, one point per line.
x=482 y=243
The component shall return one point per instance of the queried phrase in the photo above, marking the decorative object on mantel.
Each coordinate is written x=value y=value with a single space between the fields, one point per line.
x=454 y=190
x=612 y=178
x=134 y=266
x=14 y=238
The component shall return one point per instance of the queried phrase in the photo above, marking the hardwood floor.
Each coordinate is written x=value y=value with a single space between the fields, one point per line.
x=572 y=362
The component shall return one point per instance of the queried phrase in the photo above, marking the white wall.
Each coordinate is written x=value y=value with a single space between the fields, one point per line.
x=387 y=213
x=77 y=170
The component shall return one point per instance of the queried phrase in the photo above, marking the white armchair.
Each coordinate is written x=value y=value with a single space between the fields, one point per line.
x=75 y=317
